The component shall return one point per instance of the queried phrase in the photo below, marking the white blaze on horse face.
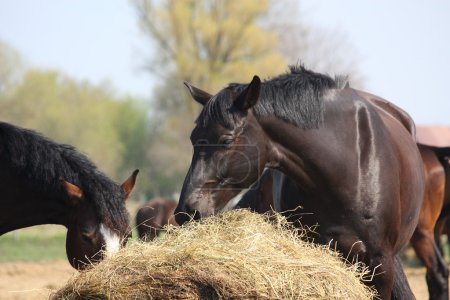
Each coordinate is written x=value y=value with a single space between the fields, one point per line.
x=234 y=201
x=112 y=240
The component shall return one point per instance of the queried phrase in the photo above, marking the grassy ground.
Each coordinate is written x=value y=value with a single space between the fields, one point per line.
x=39 y=243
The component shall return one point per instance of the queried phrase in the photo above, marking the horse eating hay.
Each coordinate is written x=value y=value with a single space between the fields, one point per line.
x=42 y=182
x=236 y=255
x=351 y=154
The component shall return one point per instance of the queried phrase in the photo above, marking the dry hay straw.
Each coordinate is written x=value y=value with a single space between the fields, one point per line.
x=236 y=255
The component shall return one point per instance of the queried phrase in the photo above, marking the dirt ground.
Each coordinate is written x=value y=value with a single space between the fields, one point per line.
x=23 y=281
x=35 y=280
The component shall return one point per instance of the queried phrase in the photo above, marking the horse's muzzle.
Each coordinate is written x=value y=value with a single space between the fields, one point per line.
x=182 y=217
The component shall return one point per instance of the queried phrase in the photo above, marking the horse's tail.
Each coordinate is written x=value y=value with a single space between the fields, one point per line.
x=401 y=289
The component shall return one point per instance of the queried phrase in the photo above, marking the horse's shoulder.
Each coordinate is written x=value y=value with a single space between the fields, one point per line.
x=391 y=110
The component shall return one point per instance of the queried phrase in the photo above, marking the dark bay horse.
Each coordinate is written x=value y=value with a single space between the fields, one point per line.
x=42 y=182
x=263 y=198
x=153 y=215
x=423 y=239
x=352 y=156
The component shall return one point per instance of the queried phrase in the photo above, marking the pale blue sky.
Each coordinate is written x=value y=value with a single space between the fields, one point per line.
x=89 y=39
x=403 y=46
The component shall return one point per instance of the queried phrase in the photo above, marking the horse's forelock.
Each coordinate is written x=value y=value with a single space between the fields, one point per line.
x=108 y=199
x=112 y=210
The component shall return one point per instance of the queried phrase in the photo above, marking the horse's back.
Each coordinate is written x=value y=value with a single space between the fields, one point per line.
x=392 y=110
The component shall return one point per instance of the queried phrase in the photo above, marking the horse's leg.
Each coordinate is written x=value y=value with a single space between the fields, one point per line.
x=437 y=270
x=401 y=289
x=438 y=229
x=383 y=280
x=391 y=281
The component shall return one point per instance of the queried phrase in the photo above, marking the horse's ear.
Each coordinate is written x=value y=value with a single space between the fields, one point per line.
x=248 y=97
x=74 y=192
x=199 y=95
x=128 y=184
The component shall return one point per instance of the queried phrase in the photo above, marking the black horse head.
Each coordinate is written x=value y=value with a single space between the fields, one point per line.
x=229 y=155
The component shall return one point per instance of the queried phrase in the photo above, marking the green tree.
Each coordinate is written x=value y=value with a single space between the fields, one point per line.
x=67 y=111
x=12 y=66
x=135 y=131
x=210 y=42
x=111 y=130
x=207 y=43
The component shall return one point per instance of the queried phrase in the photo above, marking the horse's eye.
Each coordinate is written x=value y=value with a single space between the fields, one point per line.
x=228 y=142
x=201 y=142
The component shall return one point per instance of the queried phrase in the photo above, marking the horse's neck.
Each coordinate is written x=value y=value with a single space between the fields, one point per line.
x=30 y=215
x=296 y=151
x=22 y=206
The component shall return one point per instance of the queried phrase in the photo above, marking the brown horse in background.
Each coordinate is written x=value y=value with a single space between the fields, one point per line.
x=158 y=212
x=443 y=223
x=442 y=229
x=153 y=215
x=42 y=182
x=352 y=156
x=423 y=239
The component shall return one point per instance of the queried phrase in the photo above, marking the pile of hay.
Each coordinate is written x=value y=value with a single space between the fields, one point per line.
x=237 y=255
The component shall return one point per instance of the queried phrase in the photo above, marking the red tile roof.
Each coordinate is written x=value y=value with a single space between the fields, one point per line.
x=434 y=135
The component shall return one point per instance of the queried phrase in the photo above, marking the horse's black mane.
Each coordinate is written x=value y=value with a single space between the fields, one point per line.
x=295 y=97
x=43 y=163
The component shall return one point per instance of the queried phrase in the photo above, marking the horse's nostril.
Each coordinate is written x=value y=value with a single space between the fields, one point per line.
x=182 y=217
x=187 y=215
x=193 y=213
